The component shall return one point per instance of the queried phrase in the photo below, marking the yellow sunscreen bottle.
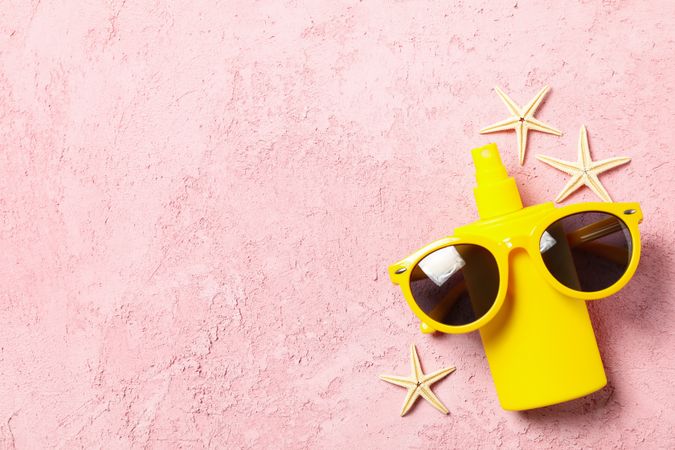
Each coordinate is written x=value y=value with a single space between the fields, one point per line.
x=540 y=345
x=521 y=277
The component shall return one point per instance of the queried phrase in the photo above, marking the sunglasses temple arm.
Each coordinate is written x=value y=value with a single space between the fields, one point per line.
x=593 y=231
x=585 y=237
x=448 y=301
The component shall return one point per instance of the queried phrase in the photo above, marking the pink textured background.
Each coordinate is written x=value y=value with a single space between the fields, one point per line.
x=198 y=205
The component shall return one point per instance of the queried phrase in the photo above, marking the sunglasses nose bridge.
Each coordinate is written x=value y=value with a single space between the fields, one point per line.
x=512 y=243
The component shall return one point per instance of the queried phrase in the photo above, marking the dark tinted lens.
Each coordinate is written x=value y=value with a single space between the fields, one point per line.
x=588 y=251
x=456 y=285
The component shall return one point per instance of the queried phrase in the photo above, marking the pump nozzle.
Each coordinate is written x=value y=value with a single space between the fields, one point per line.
x=496 y=192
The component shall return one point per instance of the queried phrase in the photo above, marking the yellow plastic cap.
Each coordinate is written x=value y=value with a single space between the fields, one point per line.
x=496 y=192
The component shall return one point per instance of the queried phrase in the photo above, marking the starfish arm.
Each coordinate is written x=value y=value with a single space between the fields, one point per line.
x=510 y=104
x=531 y=107
x=584 y=151
x=564 y=166
x=436 y=376
x=429 y=396
x=399 y=381
x=521 y=136
x=572 y=185
x=409 y=400
x=596 y=186
x=506 y=124
x=606 y=164
x=415 y=362
x=538 y=125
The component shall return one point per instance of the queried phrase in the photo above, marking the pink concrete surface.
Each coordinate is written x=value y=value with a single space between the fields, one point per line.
x=198 y=203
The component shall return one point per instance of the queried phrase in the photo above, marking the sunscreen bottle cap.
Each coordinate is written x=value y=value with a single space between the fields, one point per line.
x=496 y=192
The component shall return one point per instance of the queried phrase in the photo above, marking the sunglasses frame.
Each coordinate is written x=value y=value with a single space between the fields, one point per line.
x=628 y=212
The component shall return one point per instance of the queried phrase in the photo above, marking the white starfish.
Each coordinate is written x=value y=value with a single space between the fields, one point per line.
x=585 y=171
x=419 y=384
x=522 y=120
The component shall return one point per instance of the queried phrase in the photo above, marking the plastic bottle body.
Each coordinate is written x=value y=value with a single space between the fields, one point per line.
x=540 y=346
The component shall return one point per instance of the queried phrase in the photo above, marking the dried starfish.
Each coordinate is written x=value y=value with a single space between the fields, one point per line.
x=419 y=384
x=522 y=120
x=585 y=171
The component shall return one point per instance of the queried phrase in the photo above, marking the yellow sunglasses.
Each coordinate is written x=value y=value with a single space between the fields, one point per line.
x=585 y=251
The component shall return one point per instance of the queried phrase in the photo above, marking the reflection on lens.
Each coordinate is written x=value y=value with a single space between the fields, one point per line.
x=592 y=250
x=456 y=285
